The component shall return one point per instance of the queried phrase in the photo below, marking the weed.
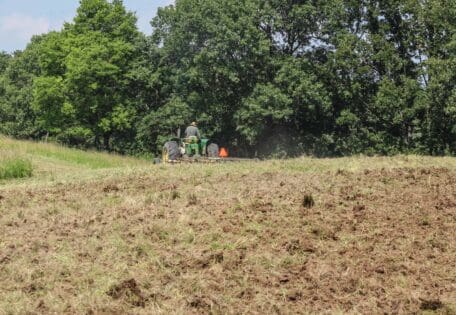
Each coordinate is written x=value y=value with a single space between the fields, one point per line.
x=175 y=195
x=189 y=237
x=112 y=200
x=222 y=246
x=20 y=215
x=143 y=250
x=52 y=211
x=308 y=201
x=254 y=228
x=192 y=199
x=286 y=262
x=15 y=168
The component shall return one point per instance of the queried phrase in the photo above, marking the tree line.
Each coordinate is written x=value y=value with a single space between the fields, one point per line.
x=264 y=77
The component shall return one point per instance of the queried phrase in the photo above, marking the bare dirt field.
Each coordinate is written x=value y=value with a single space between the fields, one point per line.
x=367 y=236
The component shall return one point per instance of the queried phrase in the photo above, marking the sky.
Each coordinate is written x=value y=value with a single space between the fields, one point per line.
x=21 y=19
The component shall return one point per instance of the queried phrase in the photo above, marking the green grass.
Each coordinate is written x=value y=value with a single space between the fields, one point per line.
x=53 y=162
x=15 y=168
x=92 y=160
x=58 y=154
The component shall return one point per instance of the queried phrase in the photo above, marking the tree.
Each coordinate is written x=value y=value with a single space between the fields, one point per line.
x=436 y=29
x=16 y=115
x=213 y=54
x=86 y=71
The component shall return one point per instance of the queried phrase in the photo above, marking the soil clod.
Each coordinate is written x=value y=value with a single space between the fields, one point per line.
x=41 y=306
x=299 y=247
x=130 y=291
x=294 y=295
x=200 y=302
x=359 y=208
x=111 y=188
x=431 y=305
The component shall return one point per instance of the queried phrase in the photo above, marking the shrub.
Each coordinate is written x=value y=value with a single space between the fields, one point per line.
x=77 y=137
x=308 y=201
x=15 y=168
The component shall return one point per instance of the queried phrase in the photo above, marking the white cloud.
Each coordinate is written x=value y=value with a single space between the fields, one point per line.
x=23 y=26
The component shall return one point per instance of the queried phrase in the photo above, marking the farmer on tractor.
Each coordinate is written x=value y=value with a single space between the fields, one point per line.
x=191 y=146
x=192 y=139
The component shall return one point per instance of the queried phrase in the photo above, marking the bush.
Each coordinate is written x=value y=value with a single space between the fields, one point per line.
x=77 y=137
x=15 y=168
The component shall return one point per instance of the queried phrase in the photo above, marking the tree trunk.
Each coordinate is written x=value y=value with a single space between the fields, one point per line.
x=106 y=139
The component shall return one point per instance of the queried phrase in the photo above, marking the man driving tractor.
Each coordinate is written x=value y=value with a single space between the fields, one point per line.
x=193 y=145
x=192 y=138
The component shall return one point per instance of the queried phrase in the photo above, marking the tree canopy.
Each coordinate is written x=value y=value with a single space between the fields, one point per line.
x=264 y=77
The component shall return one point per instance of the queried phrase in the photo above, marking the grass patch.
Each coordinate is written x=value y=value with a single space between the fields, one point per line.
x=56 y=153
x=15 y=168
x=92 y=160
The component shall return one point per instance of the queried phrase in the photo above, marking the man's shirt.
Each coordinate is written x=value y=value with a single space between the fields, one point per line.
x=192 y=131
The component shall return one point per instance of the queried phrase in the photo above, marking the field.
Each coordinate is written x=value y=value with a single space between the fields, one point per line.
x=91 y=233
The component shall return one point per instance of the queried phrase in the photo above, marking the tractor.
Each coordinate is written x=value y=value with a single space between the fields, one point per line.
x=191 y=148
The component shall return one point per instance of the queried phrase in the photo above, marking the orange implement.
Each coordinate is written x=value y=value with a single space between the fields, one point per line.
x=223 y=153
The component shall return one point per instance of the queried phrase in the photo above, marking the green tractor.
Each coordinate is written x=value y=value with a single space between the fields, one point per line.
x=190 y=148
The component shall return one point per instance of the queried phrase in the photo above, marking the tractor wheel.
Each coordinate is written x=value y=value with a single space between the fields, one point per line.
x=213 y=150
x=171 y=151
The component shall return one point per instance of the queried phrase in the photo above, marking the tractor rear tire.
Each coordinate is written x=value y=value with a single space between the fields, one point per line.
x=213 y=150
x=171 y=151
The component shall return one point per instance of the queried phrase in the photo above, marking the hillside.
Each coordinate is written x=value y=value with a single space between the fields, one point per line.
x=92 y=233
x=53 y=162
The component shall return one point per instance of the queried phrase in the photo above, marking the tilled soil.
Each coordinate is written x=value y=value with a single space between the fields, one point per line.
x=370 y=242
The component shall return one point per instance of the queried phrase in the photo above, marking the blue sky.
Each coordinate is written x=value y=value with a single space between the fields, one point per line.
x=21 y=19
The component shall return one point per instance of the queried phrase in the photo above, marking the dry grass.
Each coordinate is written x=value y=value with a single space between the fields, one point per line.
x=354 y=235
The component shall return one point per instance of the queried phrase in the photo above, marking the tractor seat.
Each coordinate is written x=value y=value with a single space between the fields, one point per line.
x=191 y=140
